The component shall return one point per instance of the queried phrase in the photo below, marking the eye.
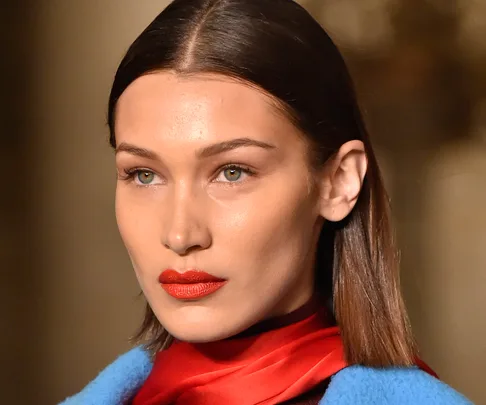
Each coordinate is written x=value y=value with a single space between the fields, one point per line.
x=142 y=177
x=233 y=173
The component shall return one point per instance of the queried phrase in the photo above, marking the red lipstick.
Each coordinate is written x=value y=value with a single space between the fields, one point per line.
x=189 y=285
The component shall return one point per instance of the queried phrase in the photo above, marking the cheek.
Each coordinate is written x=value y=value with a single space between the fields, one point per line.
x=274 y=228
x=125 y=219
x=137 y=228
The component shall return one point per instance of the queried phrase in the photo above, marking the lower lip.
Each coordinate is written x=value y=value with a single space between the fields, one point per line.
x=194 y=290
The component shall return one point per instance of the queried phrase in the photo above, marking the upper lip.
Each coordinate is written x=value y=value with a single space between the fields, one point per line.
x=170 y=276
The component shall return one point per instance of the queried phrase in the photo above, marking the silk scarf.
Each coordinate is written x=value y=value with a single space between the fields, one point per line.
x=265 y=368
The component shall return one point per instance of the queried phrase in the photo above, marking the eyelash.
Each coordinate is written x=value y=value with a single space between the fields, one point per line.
x=131 y=173
x=234 y=166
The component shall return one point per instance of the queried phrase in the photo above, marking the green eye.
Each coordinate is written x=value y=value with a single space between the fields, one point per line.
x=232 y=173
x=145 y=177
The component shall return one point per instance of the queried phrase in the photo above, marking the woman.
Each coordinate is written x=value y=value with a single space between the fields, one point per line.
x=251 y=205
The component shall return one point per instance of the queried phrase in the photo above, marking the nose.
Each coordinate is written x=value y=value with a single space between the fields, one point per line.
x=186 y=229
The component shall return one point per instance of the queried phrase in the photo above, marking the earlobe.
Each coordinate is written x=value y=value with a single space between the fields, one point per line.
x=342 y=180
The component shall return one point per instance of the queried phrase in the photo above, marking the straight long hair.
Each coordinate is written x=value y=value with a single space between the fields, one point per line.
x=276 y=46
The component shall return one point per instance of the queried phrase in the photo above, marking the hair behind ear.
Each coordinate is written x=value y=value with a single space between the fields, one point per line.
x=367 y=300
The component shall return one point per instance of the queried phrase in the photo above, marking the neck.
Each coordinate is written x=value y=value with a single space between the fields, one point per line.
x=309 y=308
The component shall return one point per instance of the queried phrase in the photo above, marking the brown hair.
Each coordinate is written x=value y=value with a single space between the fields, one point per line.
x=278 y=47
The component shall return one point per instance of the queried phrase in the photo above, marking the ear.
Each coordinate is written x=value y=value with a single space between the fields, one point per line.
x=341 y=180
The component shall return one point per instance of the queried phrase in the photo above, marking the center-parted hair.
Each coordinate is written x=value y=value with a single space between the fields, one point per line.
x=277 y=47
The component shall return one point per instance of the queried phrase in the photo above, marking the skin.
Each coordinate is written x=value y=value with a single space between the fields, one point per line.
x=258 y=230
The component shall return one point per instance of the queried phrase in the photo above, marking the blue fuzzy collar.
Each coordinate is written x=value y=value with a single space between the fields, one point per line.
x=355 y=385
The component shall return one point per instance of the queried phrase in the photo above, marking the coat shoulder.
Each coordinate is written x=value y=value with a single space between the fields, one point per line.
x=404 y=386
x=116 y=383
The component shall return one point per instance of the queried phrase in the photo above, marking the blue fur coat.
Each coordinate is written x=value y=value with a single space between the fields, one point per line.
x=354 y=385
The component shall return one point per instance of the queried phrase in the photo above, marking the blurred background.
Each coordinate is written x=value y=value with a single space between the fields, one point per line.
x=69 y=298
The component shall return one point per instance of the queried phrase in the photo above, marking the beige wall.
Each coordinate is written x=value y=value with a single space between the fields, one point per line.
x=455 y=237
x=81 y=290
x=89 y=305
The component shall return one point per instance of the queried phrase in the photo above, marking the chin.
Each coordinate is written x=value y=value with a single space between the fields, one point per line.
x=203 y=333
x=196 y=336
x=200 y=325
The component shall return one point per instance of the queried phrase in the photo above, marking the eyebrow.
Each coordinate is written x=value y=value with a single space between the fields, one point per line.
x=135 y=150
x=226 y=146
x=205 y=152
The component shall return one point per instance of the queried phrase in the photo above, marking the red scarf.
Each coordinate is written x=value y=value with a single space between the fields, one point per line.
x=267 y=368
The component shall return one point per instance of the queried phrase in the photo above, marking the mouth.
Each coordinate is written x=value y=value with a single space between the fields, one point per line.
x=190 y=285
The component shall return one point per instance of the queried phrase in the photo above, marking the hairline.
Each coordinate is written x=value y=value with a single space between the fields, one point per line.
x=277 y=106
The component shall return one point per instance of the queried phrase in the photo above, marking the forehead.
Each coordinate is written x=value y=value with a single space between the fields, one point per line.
x=200 y=107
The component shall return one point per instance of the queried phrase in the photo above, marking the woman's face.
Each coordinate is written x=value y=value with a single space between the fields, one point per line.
x=211 y=178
